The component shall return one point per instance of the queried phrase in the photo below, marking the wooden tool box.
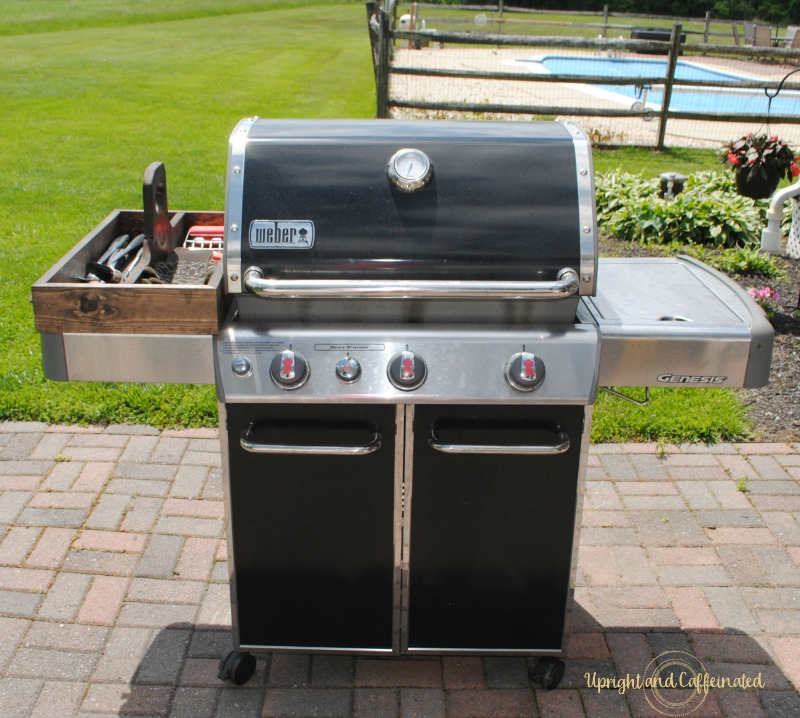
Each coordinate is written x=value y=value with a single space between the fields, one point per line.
x=97 y=331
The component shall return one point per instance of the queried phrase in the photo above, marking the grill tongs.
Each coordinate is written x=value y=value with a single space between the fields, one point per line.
x=566 y=285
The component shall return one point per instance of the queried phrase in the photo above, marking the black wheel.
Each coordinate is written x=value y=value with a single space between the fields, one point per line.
x=547 y=672
x=237 y=667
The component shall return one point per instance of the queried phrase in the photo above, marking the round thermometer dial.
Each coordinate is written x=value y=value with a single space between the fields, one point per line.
x=409 y=169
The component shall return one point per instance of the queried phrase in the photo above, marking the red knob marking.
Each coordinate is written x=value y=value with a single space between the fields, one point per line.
x=288 y=367
x=528 y=369
x=408 y=368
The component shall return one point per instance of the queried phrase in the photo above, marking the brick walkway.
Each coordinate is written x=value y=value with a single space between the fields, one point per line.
x=114 y=595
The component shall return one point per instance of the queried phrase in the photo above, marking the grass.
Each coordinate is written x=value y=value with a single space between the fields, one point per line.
x=87 y=109
x=20 y=17
x=652 y=163
x=673 y=415
x=94 y=91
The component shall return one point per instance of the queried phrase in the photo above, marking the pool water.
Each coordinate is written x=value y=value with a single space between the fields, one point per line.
x=694 y=99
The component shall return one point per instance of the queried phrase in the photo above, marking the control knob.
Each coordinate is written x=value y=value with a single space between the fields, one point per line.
x=407 y=371
x=289 y=370
x=525 y=371
x=348 y=369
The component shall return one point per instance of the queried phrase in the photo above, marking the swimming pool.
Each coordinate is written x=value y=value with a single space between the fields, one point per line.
x=684 y=98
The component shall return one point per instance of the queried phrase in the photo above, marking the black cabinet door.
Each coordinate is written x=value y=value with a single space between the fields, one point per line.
x=312 y=535
x=492 y=533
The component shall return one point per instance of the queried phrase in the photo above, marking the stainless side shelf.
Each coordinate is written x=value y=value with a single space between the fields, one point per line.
x=139 y=358
x=676 y=322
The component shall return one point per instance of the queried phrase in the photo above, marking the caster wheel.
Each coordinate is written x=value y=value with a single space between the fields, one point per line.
x=547 y=672
x=237 y=668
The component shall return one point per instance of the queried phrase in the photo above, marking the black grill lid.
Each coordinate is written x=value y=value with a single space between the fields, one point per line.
x=314 y=200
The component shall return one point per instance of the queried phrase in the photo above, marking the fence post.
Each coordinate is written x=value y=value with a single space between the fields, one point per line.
x=708 y=27
x=605 y=20
x=672 y=61
x=382 y=68
x=373 y=26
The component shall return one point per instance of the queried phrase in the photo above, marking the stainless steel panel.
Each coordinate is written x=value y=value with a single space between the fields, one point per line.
x=587 y=226
x=576 y=539
x=676 y=322
x=54 y=361
x=464 y=365
x=229 y=534
x=233 y=205
x=404 y=419
x=141 y=358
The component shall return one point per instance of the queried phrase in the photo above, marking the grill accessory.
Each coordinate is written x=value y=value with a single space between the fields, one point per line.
x=109 y=271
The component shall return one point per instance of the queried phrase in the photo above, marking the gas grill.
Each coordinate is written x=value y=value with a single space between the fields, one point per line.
x=407 y=373
x=412 y=332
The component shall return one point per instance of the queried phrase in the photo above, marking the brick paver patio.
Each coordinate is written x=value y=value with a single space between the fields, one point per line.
x=114 y=595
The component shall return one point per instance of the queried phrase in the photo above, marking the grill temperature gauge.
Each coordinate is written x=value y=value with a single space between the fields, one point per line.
x=409 y=169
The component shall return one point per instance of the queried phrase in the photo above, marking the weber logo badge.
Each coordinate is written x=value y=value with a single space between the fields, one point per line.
x=281 y=234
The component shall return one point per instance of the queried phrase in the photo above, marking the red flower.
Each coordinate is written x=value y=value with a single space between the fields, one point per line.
x=794 y=169
x=733 y=159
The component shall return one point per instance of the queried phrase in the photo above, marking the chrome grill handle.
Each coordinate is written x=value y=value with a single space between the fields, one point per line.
x=561 y=447
x=249 y=445
x=565 y=286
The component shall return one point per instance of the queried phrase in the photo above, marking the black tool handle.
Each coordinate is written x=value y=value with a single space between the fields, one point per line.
x=156 y=215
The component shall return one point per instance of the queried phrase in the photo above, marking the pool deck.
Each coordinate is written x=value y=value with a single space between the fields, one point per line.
x=616 y=130
x=114 y=589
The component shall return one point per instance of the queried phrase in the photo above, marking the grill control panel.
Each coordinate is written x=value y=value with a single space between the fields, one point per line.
x=363 y=364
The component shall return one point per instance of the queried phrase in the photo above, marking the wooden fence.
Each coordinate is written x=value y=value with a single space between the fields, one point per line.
x=500 y=16
x=386 y=36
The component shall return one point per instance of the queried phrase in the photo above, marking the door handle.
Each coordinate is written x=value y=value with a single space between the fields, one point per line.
x=560 y=447
x=248 y=444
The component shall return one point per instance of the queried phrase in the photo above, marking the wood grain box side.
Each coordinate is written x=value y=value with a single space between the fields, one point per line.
x=62 y=303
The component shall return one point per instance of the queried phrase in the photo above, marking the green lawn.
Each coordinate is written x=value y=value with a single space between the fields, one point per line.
x=93 y=91
x=18 y=17
x=85 y=110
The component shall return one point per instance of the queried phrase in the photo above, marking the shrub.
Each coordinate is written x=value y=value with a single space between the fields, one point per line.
x=738 y=260
x=707 y=212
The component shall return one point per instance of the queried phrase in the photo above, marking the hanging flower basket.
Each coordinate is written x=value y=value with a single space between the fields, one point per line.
x=759 y=162
x=756 y=185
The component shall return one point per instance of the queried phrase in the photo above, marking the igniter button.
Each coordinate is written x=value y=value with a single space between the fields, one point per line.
x=241 y=366
x=348 y=370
